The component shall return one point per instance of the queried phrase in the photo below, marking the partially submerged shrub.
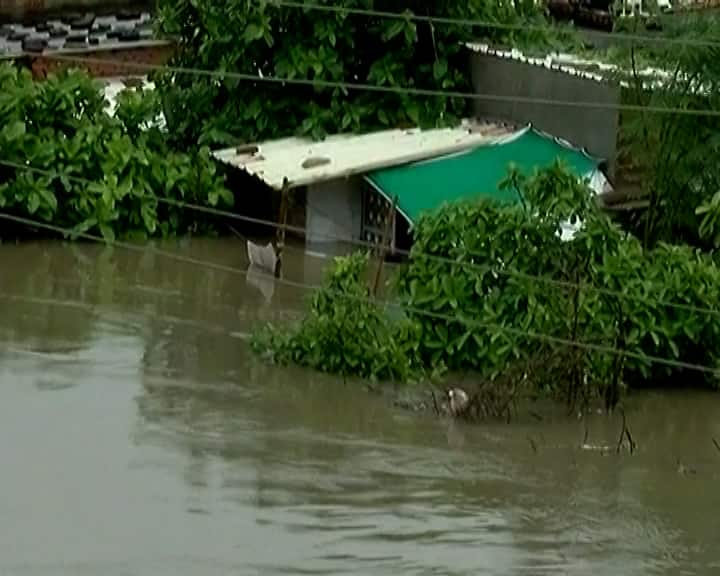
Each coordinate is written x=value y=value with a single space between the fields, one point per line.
x=478 y=261
x=345 y=331
x=670 y=309
x=519 y=293
x=493 y=289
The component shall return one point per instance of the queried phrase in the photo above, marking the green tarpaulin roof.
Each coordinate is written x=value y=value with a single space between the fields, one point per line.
x=426 y=185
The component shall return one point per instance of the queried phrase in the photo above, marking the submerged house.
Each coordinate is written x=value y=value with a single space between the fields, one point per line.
x=350 y=181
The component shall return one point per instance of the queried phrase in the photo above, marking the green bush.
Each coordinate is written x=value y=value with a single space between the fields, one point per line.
x=477 y=262
x=61 y=130
x=492 y=288
x=345 y=332
x=668 y=274
x=486 y=276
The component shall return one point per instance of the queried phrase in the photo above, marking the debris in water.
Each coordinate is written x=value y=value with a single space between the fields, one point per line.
x=258 y=278
x=603 y=449
x=458 y=401
x=533 y=444
x=263 y=257
x=684 y=470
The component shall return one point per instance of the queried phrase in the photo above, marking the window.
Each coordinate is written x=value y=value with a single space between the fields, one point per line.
x=375 y=210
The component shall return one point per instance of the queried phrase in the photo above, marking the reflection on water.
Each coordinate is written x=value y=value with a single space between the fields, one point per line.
x=138 y=435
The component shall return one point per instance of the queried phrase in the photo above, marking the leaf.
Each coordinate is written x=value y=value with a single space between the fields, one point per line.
x=269 y=40
x=149 y=217
x=463 y=339
x=253 y=32
x=83 y=227
x=33 y=202
x=126 y=187
x=440 y=67
x=655 y=338
x=410 y=32
x=14 y=131
x=413 y=112
x=49 y=197
x=107 y=233
x=393 y=29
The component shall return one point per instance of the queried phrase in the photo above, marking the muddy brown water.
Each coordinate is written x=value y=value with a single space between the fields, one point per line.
x=138 y=435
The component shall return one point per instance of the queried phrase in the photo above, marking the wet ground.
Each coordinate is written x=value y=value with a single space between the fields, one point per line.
x=138 y=435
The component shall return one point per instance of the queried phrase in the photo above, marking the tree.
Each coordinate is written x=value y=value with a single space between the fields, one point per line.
x=274 y=40
x=677 y=154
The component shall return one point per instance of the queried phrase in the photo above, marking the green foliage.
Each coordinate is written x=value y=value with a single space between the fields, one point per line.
x=275 y=41
x=677 y=274
x=463 y=264
x=491 y=255
x=345 y=331
x=675 y=156
x=494 y=288
x=61 y=128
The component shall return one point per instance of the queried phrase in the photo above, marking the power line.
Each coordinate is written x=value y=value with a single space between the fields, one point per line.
x=425 y=92
x=92 y=309
x=414 y=310
x=526 y=27
x=513 y=274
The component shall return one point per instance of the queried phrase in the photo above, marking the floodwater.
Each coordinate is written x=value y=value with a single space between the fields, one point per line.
x=138 y=435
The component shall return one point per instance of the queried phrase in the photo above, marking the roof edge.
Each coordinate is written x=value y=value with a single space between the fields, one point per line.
x=469 y=134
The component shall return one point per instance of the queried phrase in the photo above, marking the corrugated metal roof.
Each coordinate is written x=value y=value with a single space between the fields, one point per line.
x=573 y=65
x=559 y=62
x=302 y=161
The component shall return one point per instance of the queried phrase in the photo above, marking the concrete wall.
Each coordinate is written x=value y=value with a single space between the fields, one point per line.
x=333 y=210
x=592 y=128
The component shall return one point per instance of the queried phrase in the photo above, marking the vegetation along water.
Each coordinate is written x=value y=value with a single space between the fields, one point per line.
x=163 y=410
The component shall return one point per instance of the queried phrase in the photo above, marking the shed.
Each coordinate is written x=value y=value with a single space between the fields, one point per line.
x=332 y=171
x=350 y=179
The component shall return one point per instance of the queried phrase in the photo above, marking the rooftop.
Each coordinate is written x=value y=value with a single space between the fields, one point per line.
x=302 y=161
x=595 y=69
x=423 y=186
x=566 y=63
x=77 y=33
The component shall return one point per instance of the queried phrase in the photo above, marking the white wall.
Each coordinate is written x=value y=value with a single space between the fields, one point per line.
x=334 y=211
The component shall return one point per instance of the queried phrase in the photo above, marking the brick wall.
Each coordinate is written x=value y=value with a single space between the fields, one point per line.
x=117 y=61
x=31 y=9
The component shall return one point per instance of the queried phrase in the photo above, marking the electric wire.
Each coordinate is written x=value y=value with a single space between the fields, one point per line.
x=377 y=88
x=465 y=265
x=470 y=323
